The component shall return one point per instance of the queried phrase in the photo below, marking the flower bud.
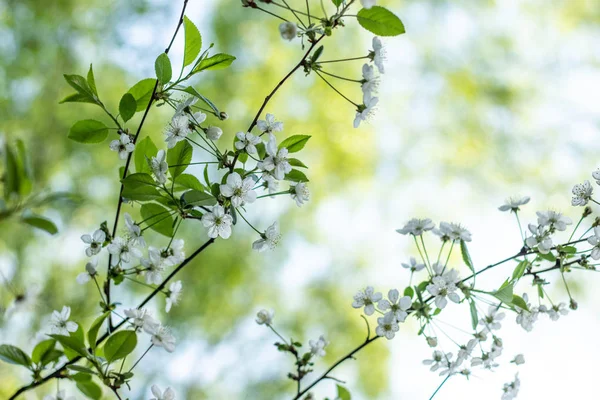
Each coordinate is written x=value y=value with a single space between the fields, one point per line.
x=223 y=116
x=214 y=132
x=288 y=30
x=264 y=317
x=432 y=341
x=573 y=305
x=519 y=359
x=586 y=211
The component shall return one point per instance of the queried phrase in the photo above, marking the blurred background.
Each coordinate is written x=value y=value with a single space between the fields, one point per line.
x=481 y=100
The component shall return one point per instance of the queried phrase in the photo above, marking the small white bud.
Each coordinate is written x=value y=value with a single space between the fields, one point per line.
x=288 y=30
x=519 y=359
x=432 y=341
x=214 y=132
x=265 y=317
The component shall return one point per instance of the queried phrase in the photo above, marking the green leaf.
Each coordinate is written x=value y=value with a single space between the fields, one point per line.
x=520 y=270
x=294 y=143
x=88 y=131
x=505 y=293
x=193 y=42
x=206 y=101
x=162 y=67
x=380 y=21
x=127 y=106
x=92 y=81
x=474 y=317
x=296 y=176
x=343 y=393
x=157 y=218
x=145 y=149
x=337 y=3
x=139 y=186
x=85 y=94
x=120 y=345
x=198 y=198
x=190 y=182
x=409 y=291
x=568 y=249
x=73 y=343
x=82 y=369
x=294 y=162
x=81 y=377
x=466 y=256
x=218 y=61
x=39 y=222
x=142 y=92
x=11 y=173
x=548 y=257
x=93 y=331
x=205 y=174
x=51 y=356
x=90 y=389
x=40 y=350
x=178 y=157
x=519 y=302
x=14 y=355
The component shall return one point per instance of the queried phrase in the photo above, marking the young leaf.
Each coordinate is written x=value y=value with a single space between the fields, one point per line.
x=139 y=186
x=88 y=131
x=14 y=355
x=190 y=182
x=41 y=349
x=73 y=343
x=193 y=42
x=11 y=173
x=294 y=143
x=84 y=94
x=120 y=345
x=409 y=291
x=93 y=332
x=157 y=218
x=83 y=370
x=218 y=61
x=92 y=81
x=505 y=293
x=198 y=198
x=380 y=21
x=142 y=92
x=127 y=106
x=162 y=67
x=294 y=162
x=145 y=149
x=343 y=393
x=474 y=317
x=206 y=101
x=90 y=389
x=179 y=157
x=519 y=302
x=296 y=176
x=337 y=3
x=519 y=270
x=39 y=222
x=466 y=256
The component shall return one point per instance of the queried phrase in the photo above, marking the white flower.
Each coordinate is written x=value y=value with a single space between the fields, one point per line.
x=213 y=132
x=288 y=30
x=397 y=306
x=596 y=176
x=511 y=390
x=161 y=337
x=519 y=359
x=174 y=293
x=442 y=289
x=367 y=299
x=135 y=233
x=239 y=191
x=141 y=318
x=438 y=359
x=486 y=360
x=366 y=109
x=452 y=231
x=270 y=183
x=247 y=141
x=123 y=146
x=153 y=266
x=416 y=227
x=159 y=166
x=95 y=241
x=378 y=54
x=387 y=326
x=370 y=81
x=554 y=220
x=527 y=318
x=269 y=125
x=184 y=106
x=217 y=222
x=432 y=341
x=317 y=347
x=300 y=193
x=557 y=310
x=60 y=395
x=276 y=161
x=197 y=118
x=595 y=241
x=60 y=323
x=413 y=266
x=177 y=130
x=122 y=250
x=168 y=394
x=539 y=239
x=492 y=319
x=582 y=193
x=465 y=351
x=174 y=254
x=269 y=239
x=513 y=203
x=265 y=317
x=90 y=272
x=368 y=3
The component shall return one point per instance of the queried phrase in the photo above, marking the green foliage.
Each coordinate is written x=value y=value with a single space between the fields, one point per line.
x=145 y=149
x=41 y=350
x=380 y=21
x=157 y=218
x=464 y=251
x=296 y=176
x=94 y=328
x=179 y=157
x=218 y=61
x=198 y=198
x=119 y=345
x=140 y=186
x=505 y=293
x=127 y=106
x=72 y=344
x=343 y=393
x=85 y=93
x=88 y=131
x=519 y=270
x=162 y=67
x=294 y=143
x=142 y=93
x=90 y=389
x=14 y=355
x=39 y=222
x=193 y=42
x=519 y=302
x=194 y=92
x=474 y=317
x=190 y=182
x=409 y=291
